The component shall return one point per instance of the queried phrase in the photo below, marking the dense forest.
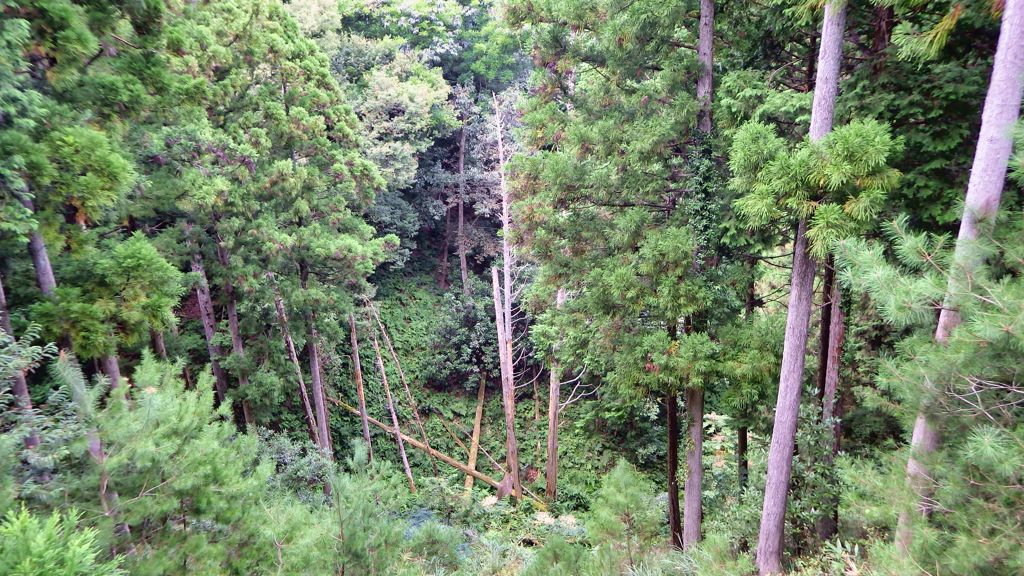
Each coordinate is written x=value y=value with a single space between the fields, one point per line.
x=537 y=287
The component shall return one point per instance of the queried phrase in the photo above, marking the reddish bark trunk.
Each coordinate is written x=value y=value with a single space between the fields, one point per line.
x=22 y=398
x=357 y=366
x=319 y=401
x=675 y=525
x=692 y=509
x=210 y=328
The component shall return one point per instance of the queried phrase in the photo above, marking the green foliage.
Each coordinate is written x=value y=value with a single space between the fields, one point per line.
x=56 y=546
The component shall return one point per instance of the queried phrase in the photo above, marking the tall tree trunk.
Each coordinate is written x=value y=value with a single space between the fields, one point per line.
x=705 y=54
x=554 y=390
x=827 y=305
x=394 y=416
x=801 y=296
x=282 y=319
x=827 y=524
x=692 y=509
x=741 y=456
x=780 y=454
x=316 y=378
x=236 y=333
x=675 y=525
x=357 y=366
x=984 y=191
x=507 y=389
x=22 y=398
x=474 y=445
x=463 y=266
x=210 y=328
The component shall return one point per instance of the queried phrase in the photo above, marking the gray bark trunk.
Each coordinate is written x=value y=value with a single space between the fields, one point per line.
x=507 y=389
x=692 y=509
x=156 y=339
x=554 y=390
x=780 y=455
x=112 y=368
x=210 y=328
x=801 y=296
x=22 y=398
x=705 y=54
x=319 y=401
x=828 y=523
x=357 y=366
x=984 y=191
x=40 y=258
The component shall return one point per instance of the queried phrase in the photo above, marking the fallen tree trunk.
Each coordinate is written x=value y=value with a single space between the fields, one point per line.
x=416 y=443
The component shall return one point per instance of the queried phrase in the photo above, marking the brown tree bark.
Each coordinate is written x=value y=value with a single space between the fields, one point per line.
x=675 y=525
x=474 y=445
x=399 y=437
x=357 y=366
x=984 y=192
x=827 y=525
x=22 y=398
x=507 y=389
x=827 y=300
x=112 y=368
x=282 y=319
x=40 y=258
x=692 y=509
x=210 y=328
x=156 y=340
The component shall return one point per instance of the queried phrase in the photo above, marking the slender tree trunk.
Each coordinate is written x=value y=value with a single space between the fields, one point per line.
x=741 y=456
x=474 y=445
x=828 y=524
x=675 y=525
x=827 y=305
x=554 y=390
x=405 y=385
x=307 y=410
x=236 y=333
x=210 y=328
x=463 y=266
x=40 y=258
x=323 y=431
x=780 y=455
x=22 y=398
x=705 y=54
x=442 y=268
x=692 y=509
x=394 y=416
x=359 y=385
x=507 y=390
x=984 y=191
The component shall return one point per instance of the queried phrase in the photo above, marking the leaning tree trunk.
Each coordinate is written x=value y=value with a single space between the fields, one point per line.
x=780 y=454
x=394 y=416
x=675 y=525
x=801 y=296
x=360 y=392
x=984 y=191
x=474 y=444
x=22 y=398
x=307 y=410
x=40 y=258
x=210 y=329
